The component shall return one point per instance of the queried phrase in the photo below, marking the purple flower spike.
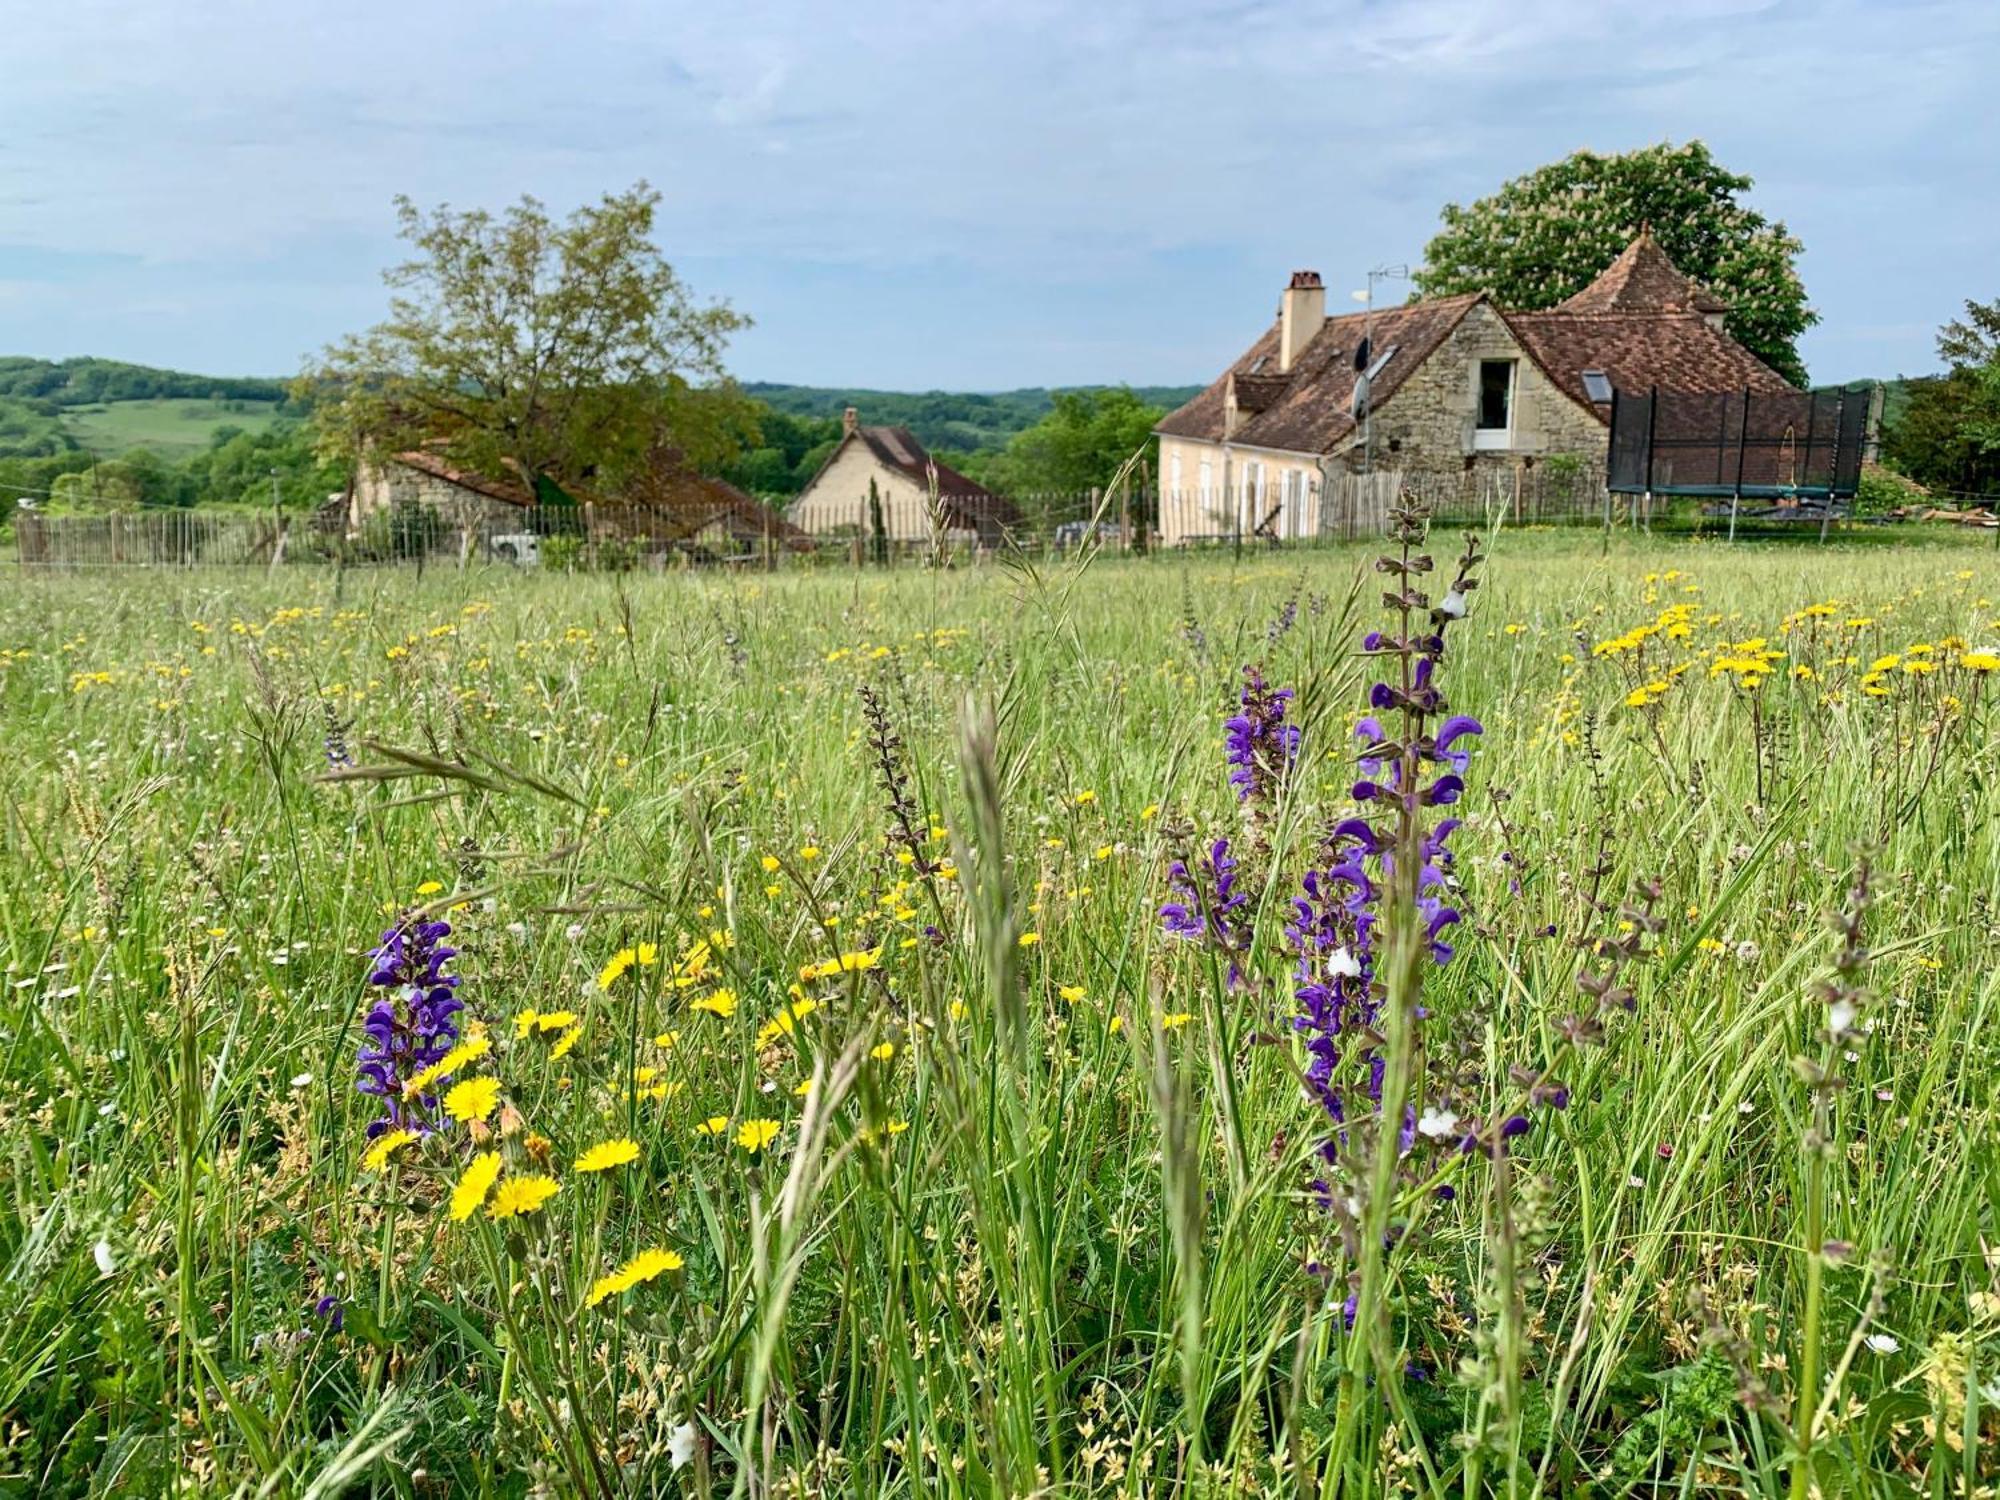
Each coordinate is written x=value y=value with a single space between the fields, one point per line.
x=411 y=1027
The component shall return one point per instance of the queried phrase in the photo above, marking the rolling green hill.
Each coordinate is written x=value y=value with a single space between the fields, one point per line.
x=172 y=426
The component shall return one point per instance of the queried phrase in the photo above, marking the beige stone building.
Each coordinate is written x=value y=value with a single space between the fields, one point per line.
x=835 y=502
x=1452 y=384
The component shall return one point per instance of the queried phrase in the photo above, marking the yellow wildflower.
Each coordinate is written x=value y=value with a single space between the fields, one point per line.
x=474 y=1099
x=522 y=1195
x=722 y=1003
x=608 y=1154
x=387 y=1145
x=641 y=1268
x=754 y=1135
x=474 y=1184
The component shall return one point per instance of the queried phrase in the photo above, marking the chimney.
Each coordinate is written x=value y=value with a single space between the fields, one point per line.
x=1301 y=313
x=850 y=421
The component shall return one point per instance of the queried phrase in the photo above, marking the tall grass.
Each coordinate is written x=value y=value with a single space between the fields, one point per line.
x=1035 y=1218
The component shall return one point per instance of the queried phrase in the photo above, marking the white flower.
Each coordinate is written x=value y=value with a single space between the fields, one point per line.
x=680 y=1444
x=1452 y=605
x=573 y=931
x=1437 y=1123
x=1882 y=1343
x=1343 y=965
x=1840 y=1017
x=302 y=1080
x=107 y=1264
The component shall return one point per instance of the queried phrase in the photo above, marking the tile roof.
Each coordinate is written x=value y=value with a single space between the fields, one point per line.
x=669 y=501
x=1643 y=280
x=1311 y=412
x=1637 y=351
x=506 y=491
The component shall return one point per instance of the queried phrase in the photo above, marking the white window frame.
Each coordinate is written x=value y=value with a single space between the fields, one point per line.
x=1207 y=472
x=1487 y=439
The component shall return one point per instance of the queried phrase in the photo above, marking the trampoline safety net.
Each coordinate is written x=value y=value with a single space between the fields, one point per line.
x=1748 y=443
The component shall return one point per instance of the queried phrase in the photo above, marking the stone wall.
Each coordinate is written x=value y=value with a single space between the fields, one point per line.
x=379 y=486
x=1428 y=423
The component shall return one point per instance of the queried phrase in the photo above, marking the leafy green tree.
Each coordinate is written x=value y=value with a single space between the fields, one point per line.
x=567 y=350
x=114 y=485
x=1079 y=445
x=1545 y=236
x=1947 y=434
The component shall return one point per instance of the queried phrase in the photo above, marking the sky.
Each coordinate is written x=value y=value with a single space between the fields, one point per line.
x=964 y=196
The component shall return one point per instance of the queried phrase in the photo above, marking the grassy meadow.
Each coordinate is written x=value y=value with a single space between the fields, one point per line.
x=172 y=426
x=832 y=1112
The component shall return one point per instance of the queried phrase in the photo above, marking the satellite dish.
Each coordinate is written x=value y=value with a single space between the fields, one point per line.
x=1362 y=354
x=1358 y=404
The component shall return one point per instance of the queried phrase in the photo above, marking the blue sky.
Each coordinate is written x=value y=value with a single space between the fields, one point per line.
x=956 y=195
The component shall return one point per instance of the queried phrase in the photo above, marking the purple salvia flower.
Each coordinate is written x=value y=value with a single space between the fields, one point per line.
x=1208 y=906
x=1258 y=743
x=410 y=1027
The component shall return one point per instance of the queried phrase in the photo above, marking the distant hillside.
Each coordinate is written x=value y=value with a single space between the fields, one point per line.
x=87 y=382
x=954 y=421
x=107 y=408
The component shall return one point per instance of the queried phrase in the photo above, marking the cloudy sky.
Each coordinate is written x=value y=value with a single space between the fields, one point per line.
x=959 y=195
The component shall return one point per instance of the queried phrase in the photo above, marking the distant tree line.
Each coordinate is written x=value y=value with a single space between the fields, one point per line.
x=87 y=382
x=1944 y=430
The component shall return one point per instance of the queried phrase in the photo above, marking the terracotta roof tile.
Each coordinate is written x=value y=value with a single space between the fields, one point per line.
x=1677 y=352
x=1643 y=280
x=1312 y=412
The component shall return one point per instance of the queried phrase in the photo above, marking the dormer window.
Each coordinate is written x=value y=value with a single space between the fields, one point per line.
x=1381 y=360
x=1597 y=386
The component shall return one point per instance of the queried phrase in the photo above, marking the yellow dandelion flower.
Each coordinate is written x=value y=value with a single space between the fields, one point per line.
x=1071 y=992
x=1175 y=1021
x=524 y=1022
x=565 y=1042
x=722 y=1003
x=554 y=1020
x=713 y=1125
x=468 y=1051
x=666 y=1039
x=883 y=1051
x=387 y=1145
x=608 y=1154
x=1029 y=939
x=785 y=1022
x=809 y=852
x=649 y=954
x=770 y=864
x=430 y=888
x=802 y=1088
x=613 y=970
x=474 y=1184
x=522 y=1195
x=474 y=1099
x=641 y=1268
x=754 y=1135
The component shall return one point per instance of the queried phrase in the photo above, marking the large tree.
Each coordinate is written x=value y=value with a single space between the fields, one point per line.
x=1543 y=237
x=567 y=351
x=1946 y=432
x=1078 y=445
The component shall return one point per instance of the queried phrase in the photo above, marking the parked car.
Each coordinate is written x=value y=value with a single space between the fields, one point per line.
x=521 y=548
x=1076 y=533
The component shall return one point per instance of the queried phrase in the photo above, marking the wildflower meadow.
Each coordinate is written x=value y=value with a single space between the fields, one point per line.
x=1507 y=1014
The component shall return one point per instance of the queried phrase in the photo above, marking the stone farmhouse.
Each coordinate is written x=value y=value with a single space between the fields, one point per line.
x=1448 y=384
x=835 y=501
